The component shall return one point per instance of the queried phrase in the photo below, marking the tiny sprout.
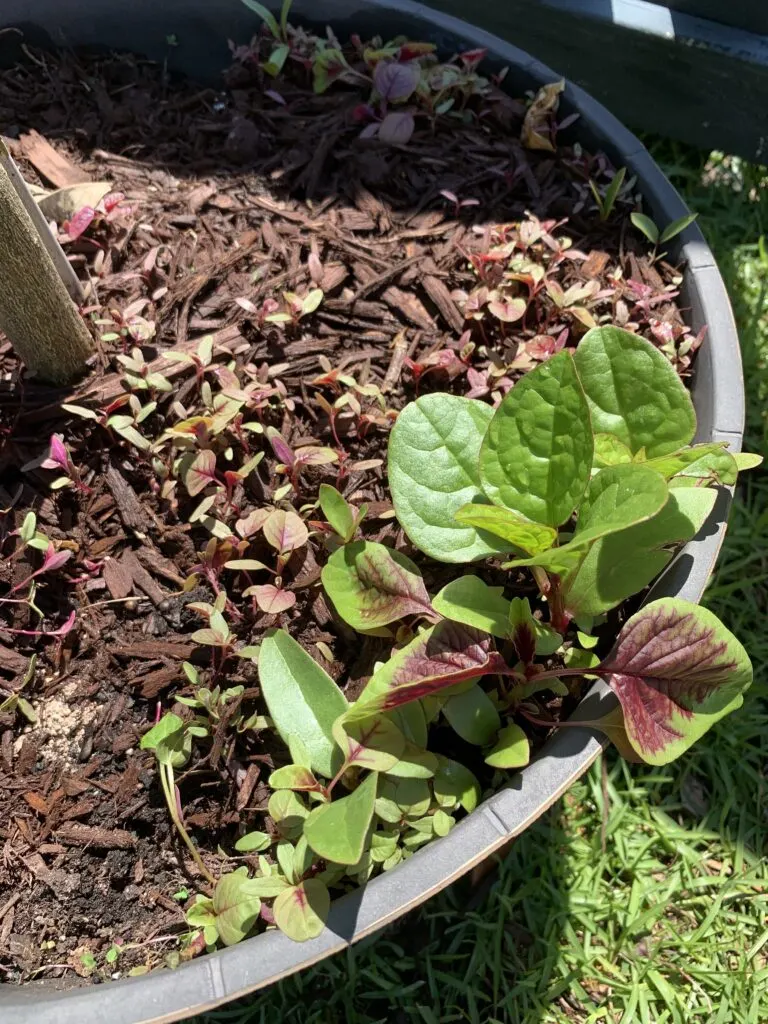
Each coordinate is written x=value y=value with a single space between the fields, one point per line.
x=458 y=204
x=606 y=202
x=654 y=234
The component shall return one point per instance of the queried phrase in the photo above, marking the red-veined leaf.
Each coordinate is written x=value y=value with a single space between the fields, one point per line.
x=676 y=670
x=441 y=656
x=271 y=599
x=202 y=471
x=284 y=530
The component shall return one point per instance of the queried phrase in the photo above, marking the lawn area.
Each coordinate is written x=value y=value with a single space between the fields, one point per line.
x=643 y=896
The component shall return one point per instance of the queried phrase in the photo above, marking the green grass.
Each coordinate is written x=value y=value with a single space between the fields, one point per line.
x=642 y=897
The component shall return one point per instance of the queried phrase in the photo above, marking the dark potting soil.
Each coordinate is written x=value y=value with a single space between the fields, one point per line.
x=231 y=198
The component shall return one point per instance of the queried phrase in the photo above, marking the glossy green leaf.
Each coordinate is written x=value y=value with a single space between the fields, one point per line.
x=646 y=225
x=512 y=749
x=617 y=498
x=302 y=699
x=455 y=781
x=411 y=721
x=679 y=462
x=236 y=907
x=302 y=910
x=537 y=454
x=473 y=716
x=253 y=842
x=373 y=741
x=503 y=522
x=610 y=451
x=676 y=670
x=471 y=601
x=439 y=657
x=371 y=585
x=677 y=226
x=434 y=448
x=337 y=831
x=623 y=564
x=338 y=512
x=412 y=796
x=169 y=740
x=634 y=392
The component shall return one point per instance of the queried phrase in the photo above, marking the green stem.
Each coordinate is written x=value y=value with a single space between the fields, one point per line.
x=169 y=791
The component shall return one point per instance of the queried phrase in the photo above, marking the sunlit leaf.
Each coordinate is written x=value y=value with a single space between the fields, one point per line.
x=236 y=907
x=337 y=831
x=372 y=585
x=302 y=699
x=511 y=750
x=284 y=530
x=676 y=670
x=301 y=911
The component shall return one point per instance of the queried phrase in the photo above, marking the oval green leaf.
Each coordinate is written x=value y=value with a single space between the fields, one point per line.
x=471 y=601
x=537 y=455
x=301 y=911
x=512 y=749
x=634 y=392
x=473 y=716
x=337 y=831
x=434 y=448
x=236 y=906
x=302 y=699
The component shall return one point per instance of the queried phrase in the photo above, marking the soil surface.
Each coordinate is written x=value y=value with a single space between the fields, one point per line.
x=230 y=198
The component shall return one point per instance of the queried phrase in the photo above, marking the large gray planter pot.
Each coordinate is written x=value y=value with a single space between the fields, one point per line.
x=202 y=28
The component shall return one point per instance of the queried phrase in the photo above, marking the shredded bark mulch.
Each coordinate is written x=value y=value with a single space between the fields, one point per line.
x=230 y=199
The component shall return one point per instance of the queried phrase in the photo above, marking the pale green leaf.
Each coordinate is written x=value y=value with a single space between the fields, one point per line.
x=434 y=448
x=511 y=750
x=301 y=911
x=337 y=831
x=302 y=698
x=473 y=716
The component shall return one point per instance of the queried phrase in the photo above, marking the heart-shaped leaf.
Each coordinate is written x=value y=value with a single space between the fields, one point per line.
x=634 y=392
x=512 y=749
x=372 y=585
x=537 y=454
x=625 y=563
x=288 y=811
x=473 y=716
x=439 y=657
x=337 y=831
x=302 y=699
x=236 y=907
x=301 y=911
x=434 y=448
x=170 y=741
x=503 y=522
x=271 y=600
x=617 y=498
x=676 y=670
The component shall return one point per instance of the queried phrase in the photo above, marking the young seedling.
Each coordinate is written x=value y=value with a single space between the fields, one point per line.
x=655 y=235
x=607 y=200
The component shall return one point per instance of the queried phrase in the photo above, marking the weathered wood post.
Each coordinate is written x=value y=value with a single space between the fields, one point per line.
x=36 y=312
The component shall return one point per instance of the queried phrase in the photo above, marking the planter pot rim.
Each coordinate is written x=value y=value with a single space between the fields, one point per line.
x=207 y=982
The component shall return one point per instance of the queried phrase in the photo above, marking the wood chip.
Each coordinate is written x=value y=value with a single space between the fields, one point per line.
x=117 y=576
x=51 y=164
x=142 y=578
x=441 y=296
x=153 y=683
x=410 y=307
x=75 y=834
x=130 y=509
x=152 y=650
x=12 y=662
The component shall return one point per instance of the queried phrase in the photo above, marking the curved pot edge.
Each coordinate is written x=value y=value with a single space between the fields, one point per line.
x=227 y=974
